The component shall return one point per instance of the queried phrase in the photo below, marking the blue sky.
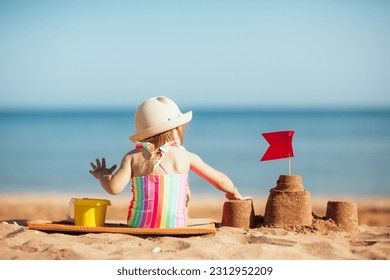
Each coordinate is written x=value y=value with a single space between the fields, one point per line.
x=76 y=54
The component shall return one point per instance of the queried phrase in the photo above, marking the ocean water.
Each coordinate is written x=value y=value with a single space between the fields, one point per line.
x=337 y=152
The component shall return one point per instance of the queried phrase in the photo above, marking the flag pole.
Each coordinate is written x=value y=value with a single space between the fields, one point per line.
x=289 y=165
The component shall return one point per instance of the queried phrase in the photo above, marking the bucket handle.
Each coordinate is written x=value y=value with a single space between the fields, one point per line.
x=68 y=217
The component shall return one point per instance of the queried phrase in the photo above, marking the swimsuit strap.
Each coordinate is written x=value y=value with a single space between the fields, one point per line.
x=162 y=151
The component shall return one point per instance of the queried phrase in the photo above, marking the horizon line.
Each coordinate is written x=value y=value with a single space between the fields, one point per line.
x=206 y=109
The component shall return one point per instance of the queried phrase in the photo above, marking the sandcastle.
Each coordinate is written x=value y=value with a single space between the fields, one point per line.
x=288 y=203
x=343 y=213
x=238 y=213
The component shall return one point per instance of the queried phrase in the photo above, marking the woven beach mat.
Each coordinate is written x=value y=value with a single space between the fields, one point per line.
x=195 y=227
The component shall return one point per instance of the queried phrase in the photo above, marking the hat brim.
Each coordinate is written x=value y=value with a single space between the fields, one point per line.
x=154 y=130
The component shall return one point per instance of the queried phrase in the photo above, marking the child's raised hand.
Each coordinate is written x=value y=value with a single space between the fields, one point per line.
x=100 y=170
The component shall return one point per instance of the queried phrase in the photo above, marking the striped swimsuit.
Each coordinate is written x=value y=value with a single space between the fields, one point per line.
x=159 y=201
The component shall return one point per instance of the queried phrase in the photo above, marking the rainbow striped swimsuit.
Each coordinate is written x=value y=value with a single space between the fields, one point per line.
x=159 y=201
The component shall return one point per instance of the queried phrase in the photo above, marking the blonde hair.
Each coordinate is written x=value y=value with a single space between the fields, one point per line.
x=162 y=138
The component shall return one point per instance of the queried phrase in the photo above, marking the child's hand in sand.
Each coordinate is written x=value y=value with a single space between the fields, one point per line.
x=100 y=170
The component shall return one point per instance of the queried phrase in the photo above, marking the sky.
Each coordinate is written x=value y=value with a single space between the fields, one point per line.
x=115 y=54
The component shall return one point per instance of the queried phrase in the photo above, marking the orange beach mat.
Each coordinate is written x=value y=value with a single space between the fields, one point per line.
x=195 y=227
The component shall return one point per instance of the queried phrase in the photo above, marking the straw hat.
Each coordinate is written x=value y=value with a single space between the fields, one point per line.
x=157 y=115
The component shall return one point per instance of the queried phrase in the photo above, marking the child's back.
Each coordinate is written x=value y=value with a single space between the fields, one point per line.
x=174 y=160
x=160 y=191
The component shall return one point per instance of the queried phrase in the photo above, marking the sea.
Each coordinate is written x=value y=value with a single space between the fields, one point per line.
x=337 y=152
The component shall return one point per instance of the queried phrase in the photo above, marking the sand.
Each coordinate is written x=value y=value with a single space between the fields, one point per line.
x=323 y=240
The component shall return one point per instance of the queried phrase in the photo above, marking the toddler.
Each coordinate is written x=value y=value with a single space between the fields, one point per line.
x=158 y=168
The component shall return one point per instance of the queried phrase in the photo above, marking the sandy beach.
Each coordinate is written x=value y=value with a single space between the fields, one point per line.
x=370 y=241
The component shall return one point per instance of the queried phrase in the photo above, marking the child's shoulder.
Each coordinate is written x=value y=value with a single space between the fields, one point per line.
x=135 y=152
x=186 y=153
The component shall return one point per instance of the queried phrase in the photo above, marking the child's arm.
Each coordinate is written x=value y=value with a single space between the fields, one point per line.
x=214 y=177
x=113 y=184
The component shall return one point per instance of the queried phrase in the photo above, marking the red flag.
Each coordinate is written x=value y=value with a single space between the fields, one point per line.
x=280 y=145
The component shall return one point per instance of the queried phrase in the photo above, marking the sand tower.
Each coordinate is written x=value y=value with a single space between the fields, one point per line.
x=288 y=203
x=344 y=214
x=238 y=213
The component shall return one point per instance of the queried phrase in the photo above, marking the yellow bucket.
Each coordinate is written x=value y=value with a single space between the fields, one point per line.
x=88 y=212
